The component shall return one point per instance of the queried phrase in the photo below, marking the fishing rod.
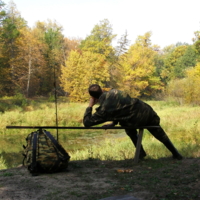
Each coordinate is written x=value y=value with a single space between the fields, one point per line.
x=55 y=96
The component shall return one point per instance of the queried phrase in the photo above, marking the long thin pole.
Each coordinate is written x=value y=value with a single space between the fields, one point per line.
x=55 y=95
x=72 y=127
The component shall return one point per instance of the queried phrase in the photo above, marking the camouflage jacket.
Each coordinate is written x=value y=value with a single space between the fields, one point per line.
x=119 y=107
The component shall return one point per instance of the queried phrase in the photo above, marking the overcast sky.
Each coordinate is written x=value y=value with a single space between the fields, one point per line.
x=170 y=21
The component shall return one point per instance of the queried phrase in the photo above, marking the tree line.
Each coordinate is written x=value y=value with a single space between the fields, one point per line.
x=36 y=61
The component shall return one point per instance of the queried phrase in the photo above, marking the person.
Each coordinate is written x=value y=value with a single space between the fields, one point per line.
x=118 y=107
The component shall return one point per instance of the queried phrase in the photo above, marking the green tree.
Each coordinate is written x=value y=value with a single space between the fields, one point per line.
x=160 y=59
x=100 y=39
x=89 y=64
x=197 y=44
x=170 y=62
x=188 y=59
x=120 y=49
x=2 y=11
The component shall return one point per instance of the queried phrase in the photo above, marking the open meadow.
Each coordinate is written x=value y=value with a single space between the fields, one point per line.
x=101 y=163
x=180 y=122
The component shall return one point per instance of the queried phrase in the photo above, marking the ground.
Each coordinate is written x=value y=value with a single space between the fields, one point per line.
x=163 y=179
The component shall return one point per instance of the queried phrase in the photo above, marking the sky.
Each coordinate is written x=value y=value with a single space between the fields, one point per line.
x=170 y=21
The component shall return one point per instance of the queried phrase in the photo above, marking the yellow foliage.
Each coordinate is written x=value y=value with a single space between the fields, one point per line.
x=193 y=85
x=83 y=69
x=194 y=72
x=137 y=68
x=187 y=90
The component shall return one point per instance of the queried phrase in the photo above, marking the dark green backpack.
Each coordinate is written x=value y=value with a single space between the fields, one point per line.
x=43 y=154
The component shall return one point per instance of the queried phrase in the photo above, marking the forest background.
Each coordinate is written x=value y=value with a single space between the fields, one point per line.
x=36 y=61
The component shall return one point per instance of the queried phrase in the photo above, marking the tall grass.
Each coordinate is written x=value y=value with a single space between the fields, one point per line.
x=181 y=124
x=41 y=114
x=2 y=163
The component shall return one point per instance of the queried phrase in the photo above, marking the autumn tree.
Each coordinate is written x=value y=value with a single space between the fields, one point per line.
x=31 y=62
x=70 y=44
x=50 y=33
x=90 y=64
x=100 y=39
x=186 y=90
x=171 y=60
x=193 y=85
x=9 y=38
x=137 y=68
x=120 y=49
x=82 y=70
x=188 y=59
x=197 y=44
x=159 y=59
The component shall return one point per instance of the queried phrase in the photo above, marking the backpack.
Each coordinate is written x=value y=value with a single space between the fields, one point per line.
x=43 y=154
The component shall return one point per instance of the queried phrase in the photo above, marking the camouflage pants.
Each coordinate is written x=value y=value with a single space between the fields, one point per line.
x=158 y=133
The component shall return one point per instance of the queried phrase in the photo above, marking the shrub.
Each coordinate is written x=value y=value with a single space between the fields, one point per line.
x=20 y=100
x=186 y=90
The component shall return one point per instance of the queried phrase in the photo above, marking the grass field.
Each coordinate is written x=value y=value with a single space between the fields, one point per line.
x=181 y=123
x=104 y=167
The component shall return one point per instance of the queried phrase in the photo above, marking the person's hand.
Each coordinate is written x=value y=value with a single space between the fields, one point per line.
x=108 y=125
x=93 y=101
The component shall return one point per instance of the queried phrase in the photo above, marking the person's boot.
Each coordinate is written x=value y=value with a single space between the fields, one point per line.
x=142 y=153
x=175 y=153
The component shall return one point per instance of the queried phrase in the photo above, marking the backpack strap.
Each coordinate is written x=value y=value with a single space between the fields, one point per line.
x=25 y=147
x=33 y=167
x=34 y=147
x=54 y=141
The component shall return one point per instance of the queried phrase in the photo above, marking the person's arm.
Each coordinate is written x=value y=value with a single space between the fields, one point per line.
x=97 y=118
